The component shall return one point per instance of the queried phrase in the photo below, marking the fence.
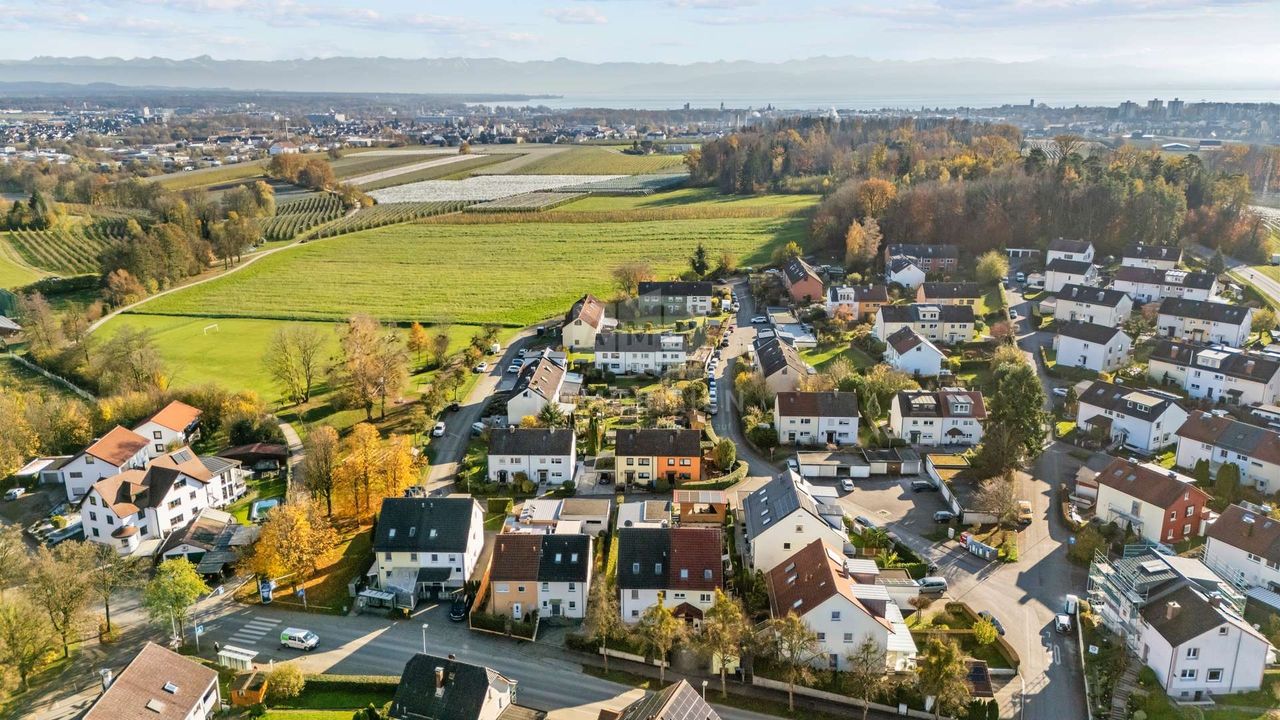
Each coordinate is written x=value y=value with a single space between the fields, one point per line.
x=85 y=394
x=764 y=682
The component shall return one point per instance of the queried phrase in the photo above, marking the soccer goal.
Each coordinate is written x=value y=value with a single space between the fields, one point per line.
x=208 y=328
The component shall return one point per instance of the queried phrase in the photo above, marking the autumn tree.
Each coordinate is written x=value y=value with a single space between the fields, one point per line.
x=874 y=196
x=173 y=591
x=15 y=561
x=372 y=364
x=360 y=471
x=867 y=671
x=1264 y=321
x=984 y=632
x=992 y=267
x=291 y=543
x=660 y=630
x=123 y=288
x=112 y=573
x=795 y=645
x=439 y=348
x=58 y=581
x=418 y=341
x=726 y=454
x=26 y=637
x=862 y=243
x=999 y=496
x=40 y=325
x=399 y=470
x=232 y=236
x=628 y=276
x=603 y=621
x=285 y=681
x=724 y=626
x=941 y=673
x=130 y=361
x=319 y=464
x=295 y=358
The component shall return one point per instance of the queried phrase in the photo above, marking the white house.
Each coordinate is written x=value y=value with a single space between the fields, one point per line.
x=1157 y=504
x=1219 y=373
x=176 y=424
x=911 y=353
x=1060 y=272
x=180 y=687
x=223 y=478
x=813 y=418
x=543 y=455
x=1158 y=257
x=584 y=321
x=426 y=546
x=1094 y=347
x=783 y=516
x=119 y=450
x=1064 y=249
x=679 y=567
x=947 y=324
x=904 y=271
x=1146 y=285
x=1205 y=322
x=1218 y=438
x=540 y=383
x=1143 y=420
x=1100 y=306
x=1243 y=545
x=860 y=301
x=549 y=574
x=135 y=510
x=779 y=362
x=675 y=298
x=950 y=416
x=633 y=353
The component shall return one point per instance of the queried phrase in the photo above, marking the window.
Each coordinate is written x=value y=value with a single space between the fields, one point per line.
x=413 y=557
x=677 y=596
x=546 y=587
x=635 y=613
x=635 y=568
x=822 y=637
x=573 y=587
x=686 y=462
x=1254 y=558
x=635 y=595
x=386 y=556
x=93 y=500
x=848 y=638
x=835 y=616
x=159 y=447
x=174 y=503
x=1191 y=511
x=1187 y=674
x=706 y=574
x=786 y=546
x=572 y=604
x=704 y=597
x=435 y=557
x=671 y=462
x=519 y=588
x=1222 y=630
x=502 y=587
x=1213 y=675
x=110 y=520
x=93 y=516
x=1193 y=653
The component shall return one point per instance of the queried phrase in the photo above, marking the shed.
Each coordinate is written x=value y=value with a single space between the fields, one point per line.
x=249 y=689
x=236 y=658
x=893 y=461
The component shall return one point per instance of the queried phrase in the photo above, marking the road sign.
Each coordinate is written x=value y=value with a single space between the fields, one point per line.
x=199 y=629
x=301 y=592
x=264 y=590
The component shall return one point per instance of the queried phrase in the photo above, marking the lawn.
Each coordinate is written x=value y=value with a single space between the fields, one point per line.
x=820 y=357
x=17 y=377
x=510 y=273
x=601 y=161
x=14 y=272
x=206 y=177
x=309 y=714
x=264 y=488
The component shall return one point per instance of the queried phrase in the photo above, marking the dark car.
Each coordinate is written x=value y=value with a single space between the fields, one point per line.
x=986 y=615
x=922 y=486
x=453 y=407
x=866 y=522
x=460 y=607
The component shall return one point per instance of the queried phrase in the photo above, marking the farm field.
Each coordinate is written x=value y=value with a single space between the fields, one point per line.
x=480 y=188
x=528 y=202
x=14 y=271
x=601 y=161
x=356 y=164
x=437 y=171
x=296 y=216
x=205 y=177
x=387 y=214
x=704 y=199
x=69 y=251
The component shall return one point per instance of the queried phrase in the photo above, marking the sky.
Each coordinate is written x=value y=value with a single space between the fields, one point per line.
x=1229 y=38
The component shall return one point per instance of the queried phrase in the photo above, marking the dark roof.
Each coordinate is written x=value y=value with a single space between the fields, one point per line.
x=775 y=500
x=924 y=251
x=1158 y=487
x=861 y=293
x=1069 y=246
x=1250 y=531
x=905 y=339
x=1089 y=332
x=1237 y=364
x=675 y=558
x=1092 y=295
x=911 y=313
x=1155 y=276
x=254 y=452
x=675 y=702
x=1194 y=616
x=424 y=524
x=466 y=687
x=796 y=270
x=1071 y=267
x=951 y=290
x=898 y=263
x=565 y=558
x=940 y=403
x=675 y=289
x=658 y=442
x=818 y=404
x=1153 y=252
x=1205 y=310
x=634 y=342
x=531 y=441
x=589 y=309
x=776 y=356
x=1226 y=432
x=1126 y=400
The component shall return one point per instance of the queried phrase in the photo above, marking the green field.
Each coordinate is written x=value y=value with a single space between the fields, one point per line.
x=14 y=376
x=601 y=161
x=14 y=271
x=206 y=177
x=703 y=199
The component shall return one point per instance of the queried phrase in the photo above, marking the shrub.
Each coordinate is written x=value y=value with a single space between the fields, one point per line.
x=500 y=504
x=285 y=681
x=58 y=521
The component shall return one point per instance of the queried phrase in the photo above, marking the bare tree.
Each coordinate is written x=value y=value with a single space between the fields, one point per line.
x=867 y=668
x=795 y=645
x=319 y=461
x=627 y=277
x=999 y=496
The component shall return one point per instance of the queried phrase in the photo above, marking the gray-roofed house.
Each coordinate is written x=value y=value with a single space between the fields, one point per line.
x=543 y=455
x=674 y=298
x=947 y=416
x=1100 y=348
x=912 y=353
x=679 y=567
x=785 y=515
x=1205 y=322
x=1142 y=420
x=812 y=418
x=1217 y=373
x=1060 y=272
x=678 y=701
x=541 y=382
x=633 y=353
x=780 y=364
x=1243 y=545
x=1146 y=285
x=1100 y=306
x=425 y=546
x=1218 y=438
x=647 y=455
x=904 y=271
x=860 y=301
x=930 y=258
x=947 y=324
x=438 y=688
x=1159 y=257
x=1079 y=250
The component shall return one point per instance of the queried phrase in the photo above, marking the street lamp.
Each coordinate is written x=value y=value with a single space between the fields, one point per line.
x=704 y=690
x=424 y=637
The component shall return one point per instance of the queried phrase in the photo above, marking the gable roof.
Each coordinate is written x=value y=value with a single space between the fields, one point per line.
x=861 y=293
x=669 y=558
x=1224 y=431
x=675 y=289
x=1231 y=361
x=531 y=441
x=905 y=339
x=1126 y=401
x=515 y=557
x=1194 y=617
x=1250 y=531
x=637 y=342
x=1205 y=310
x=1148 y=483
x=185 y=460
x=1153 y=252
x=589 y=309
x=117 y=446
x=658 y=442
x=923 y=251
x=540 y=558
x=674 y=702
x=1106 y=297
x=941 y=403
x=818 y=404
x=776 y=356
x=466 y=689
x=157 y=683
x=910 y=313
x=1089 y=332
x=1172 y=278
x=810 y=577
x=1062 y=244
x=797 y=270
x=424 y=524
x=951 y=290
x=898 y=263
x=785 y=494
x=1069 y=267
x=176 y=416
x=543 y=378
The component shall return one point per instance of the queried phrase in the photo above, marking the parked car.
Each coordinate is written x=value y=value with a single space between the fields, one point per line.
x=1060 y=391
x=482 y=367
x=922 y=486
x=986 y=615
x=299 y=639
x=1025 y=514
x=438 y=430
x=495 y=348
x=460 y=607
x=1062 y=623
x=735 y=307
x=15 y=493
x=760 y=320
x=477 y=428
x=934 y=584
x=944 y=516
x=453 y=407
x=1072 y=605
x=846 y=484
x=866 y=522
x=514 y=367
x=1020 y=277
x=1013 y=313
x=793 y=465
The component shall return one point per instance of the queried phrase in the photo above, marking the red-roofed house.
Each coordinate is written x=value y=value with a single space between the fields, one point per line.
x=177 y=423
x=680 y=567
x=115 y=452
x=1158 y=504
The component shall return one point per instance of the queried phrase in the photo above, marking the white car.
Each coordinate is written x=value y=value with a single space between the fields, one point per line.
x=482 y=367
x=438 y=430
x=1060 y=392
x=1013 y=314
x=15 y=493
x=846 y=484
x=514 y=367
x=760 y=320
x=735 y=307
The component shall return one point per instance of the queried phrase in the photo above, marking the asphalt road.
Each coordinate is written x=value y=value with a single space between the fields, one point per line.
x=726 y=421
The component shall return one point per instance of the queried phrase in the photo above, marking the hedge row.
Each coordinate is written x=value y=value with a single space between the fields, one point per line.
x=735 y=475
x=351 y=683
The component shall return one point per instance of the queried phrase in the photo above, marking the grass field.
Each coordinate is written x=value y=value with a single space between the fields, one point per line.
x=16 y=377
x=360 y=164
x=14 y=271
x=704 y=199
x=205 y=177
x=601 y=161
x=448 y=171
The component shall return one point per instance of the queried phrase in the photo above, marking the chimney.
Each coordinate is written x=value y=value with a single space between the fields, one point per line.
x=1171 y=610
x=439 y=679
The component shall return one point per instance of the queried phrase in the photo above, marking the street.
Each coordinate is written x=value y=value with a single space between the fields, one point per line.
x=726 y=421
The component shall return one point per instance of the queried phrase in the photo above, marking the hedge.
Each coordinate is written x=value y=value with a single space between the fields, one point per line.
x=500 y=505
x=351 y=683
x=732 y=477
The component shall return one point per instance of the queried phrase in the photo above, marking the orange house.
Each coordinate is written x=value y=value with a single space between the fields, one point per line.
x=803 y=283
x=647 y=455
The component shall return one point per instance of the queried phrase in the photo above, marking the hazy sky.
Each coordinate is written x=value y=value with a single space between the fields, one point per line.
x=1225 y=37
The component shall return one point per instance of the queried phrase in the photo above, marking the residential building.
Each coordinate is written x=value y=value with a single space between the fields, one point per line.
x=1243 y=546
x=699 y=508
x=1205 y=322
x=1158 y=257
x=214 y=542
x=1160 y=505
x=1146 y=285
x=1101 y=348
x=1218 y=438
x=1142 y=420
x=947 y=324
x=840 y=600
x=675 y=298
x=1059 y=273
x=902 y=270
x=783 y=516
x=929 y=258
x=158 y=683
x=860 y=302
x=1064 y=249
x=949 y=293
x=1100 y=306
x=543 y=455
x=802 y=282
x=678 y=567
x=176 y=424
x=426 y=546
x=584 y=321
x=577 y=515
x=648 y=455
x=541 y=382
x=950 y=416
x=119 y=450
x=644 y=514
x=813 y=418
x=779 y=362
x=908 y=351
x=678 y=701
x=438 y=688
x=547 y=574
x=1217 y=373
x=633 y=353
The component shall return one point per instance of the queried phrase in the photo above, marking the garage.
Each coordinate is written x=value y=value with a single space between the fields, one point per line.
x=833 y=464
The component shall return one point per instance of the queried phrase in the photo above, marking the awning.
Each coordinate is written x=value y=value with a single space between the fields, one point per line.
x=433 y=574
x=378 y=595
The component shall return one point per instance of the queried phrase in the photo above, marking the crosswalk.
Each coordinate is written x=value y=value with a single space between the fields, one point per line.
x=253 y=631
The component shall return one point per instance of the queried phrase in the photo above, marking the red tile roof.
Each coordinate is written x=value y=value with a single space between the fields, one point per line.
x=176 y=416
x=693 y=552
x=117 y=446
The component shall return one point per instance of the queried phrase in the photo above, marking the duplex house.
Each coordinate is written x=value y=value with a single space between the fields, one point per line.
x=675 y=298
x=646 y=455
x=813 y=418
x=425 y=546
x=779 y=362
x=439 y=688
x=949 y=293
x=176 y=424
x=1064 y=249
x=678 y=567
x=1146 y=285
x=119 y=450
x=1219 y=373
x=540 y=383
x=950 y=416
x=1205 y=322
x=1060 y=272
x=543 y=455
x=1100 y=306
x=1159 y=505
x=1158 y=257
x=929 y=258
x=584 y=321
x=859 y=302
x=840 y=600
x=902 y=270
x=908 y=351
x=783 y=516
x=158 y=683
x=223 y=478
x=1218 y=438
x=948 y=324
x=633 y=353
x=802 y=282
x=1101 y=348
x=1243 y=545
x=1144 y=420
x=547 y=574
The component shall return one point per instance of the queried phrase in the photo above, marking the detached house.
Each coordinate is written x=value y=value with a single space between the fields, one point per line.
x=907 y=351
x=1064 y=249
x=674 y=298
x=1158 y=257
x=438 y=688
x=1159 y=505
x=1243 y=545
x=632 y=353
x=812 y=418
x=1146 y=285
x=1100 y=348
x=547 y=574
x=802 y=282
x=950 y=416
x=861 y=302
x=426 y=546
x=119 y=450
x=902 y=270
x=158 y=683
x=1100 y=306
x=1060 y=272
x=779 y=363
x=585 y=320
x=1220 y=374
x=543 y=455
x=540 y=383
x=929 y=258
x=1144 y=420
x=176 y=424
x=678 y=567
x=785 y=515
x=947 y=324
x=1220 y=439
x=1205 y=322
x=943 y=293
x=648 y=454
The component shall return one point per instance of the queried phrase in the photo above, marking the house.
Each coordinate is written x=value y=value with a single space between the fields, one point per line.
x=950 y=416
x=158 y=683
x=1060 y=272
x=802 y=282
x=633 y=353
x=1064 y=249
x=1101 y=348
x=678 y=701
x=949 y=293
x=678 y=567
x=437 y=688
x=644 y=514
x=1218 y=373
x=584 y=321
x=9 y=328
x=813 y=418
x=647 y=455
x=543 y=455
x=223 y=478
x=902 y=270
x=425 y=546
x=699 y=508
x=907 y=351
x=176 y=424
x=119 y=450
x=1159 y=257
x=1218 y=438
x=1142 y=420
x=1205 y=322
x=858 y=302
x=780 y=364
x=541 y=382
x=840 y=600
x=947 y=324
x=580 y=515
x=783 y=516
x=1243 y=545
x=929 y=258
x=1100 y=306
x=547 y=574
x=1159 y=505
x=214 y=542
x=1146 y=285
x=674 y=298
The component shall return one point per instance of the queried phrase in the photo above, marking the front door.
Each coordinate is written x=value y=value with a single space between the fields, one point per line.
x=555 y=608
x=542 y=476
x=516 y=611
